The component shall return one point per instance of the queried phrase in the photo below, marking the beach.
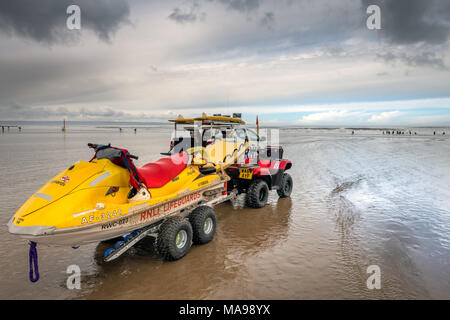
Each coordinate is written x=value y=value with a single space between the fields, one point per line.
x=358 y=200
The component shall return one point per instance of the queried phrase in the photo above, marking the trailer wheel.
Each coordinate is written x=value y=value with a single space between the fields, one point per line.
x=257 y=194
x=203 y=221
x=174 y=238
x=286 y=186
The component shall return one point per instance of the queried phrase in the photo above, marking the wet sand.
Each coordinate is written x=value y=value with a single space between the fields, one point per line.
x=359 y=200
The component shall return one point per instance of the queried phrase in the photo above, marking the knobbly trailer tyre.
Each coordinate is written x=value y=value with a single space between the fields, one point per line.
x=203 y=220
x=257 y=194
x=174 y=238
x=286 y=186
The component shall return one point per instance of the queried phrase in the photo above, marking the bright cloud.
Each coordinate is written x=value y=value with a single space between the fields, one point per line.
x=384 y=117
x=331 y=117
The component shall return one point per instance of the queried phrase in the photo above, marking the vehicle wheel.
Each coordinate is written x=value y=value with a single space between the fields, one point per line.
x=257 y=194
x=174 y=238
x=203 y=221
x=286 y=186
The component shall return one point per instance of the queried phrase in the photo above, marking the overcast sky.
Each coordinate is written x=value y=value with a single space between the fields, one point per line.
x=296 y=62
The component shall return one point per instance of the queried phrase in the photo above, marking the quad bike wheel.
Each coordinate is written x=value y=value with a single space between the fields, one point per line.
x=286 y=186
x=174 y=238
x=203 y=221
x=257 y=194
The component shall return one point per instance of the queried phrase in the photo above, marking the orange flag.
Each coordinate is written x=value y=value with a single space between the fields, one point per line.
x=257 y=126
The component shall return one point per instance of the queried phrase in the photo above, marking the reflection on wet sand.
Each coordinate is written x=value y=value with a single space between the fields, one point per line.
x=206 y=269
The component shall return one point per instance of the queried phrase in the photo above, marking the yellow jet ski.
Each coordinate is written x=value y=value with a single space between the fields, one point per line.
x=92 y=201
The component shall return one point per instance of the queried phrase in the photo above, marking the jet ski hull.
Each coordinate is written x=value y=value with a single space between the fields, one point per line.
x=138 y=215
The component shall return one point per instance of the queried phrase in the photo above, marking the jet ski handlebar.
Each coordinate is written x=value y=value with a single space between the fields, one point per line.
x=131 y=156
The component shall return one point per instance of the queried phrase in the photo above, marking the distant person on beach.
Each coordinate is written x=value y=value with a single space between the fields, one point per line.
x=434 y=133
x=353 y=132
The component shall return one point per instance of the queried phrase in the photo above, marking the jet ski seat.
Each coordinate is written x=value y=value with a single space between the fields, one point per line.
x=159 y=173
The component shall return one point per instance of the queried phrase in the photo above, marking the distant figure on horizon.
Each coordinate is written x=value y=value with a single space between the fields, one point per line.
x=434 y=133
x=120 y=129
x=353 y=132
x=135 y=130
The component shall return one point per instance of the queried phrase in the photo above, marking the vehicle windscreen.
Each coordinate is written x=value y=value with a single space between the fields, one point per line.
x=109 y=153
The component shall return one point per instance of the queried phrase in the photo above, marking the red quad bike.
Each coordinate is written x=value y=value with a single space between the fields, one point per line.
x=256 y=177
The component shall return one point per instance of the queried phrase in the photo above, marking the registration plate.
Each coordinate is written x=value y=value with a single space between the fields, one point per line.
x=245 y=173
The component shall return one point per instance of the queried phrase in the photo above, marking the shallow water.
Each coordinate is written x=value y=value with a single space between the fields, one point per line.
x=358 y=200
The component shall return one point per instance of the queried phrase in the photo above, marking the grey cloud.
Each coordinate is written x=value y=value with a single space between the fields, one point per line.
x=413 y=21
x=45 y=20
x=54 y=79
x=26 y=112
x=185 y=16
x=181 y=17
x=192 y=14
x=103 y=113
x=423 y=59
x=268 y=19
x=15 y=106
x=241 y=5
